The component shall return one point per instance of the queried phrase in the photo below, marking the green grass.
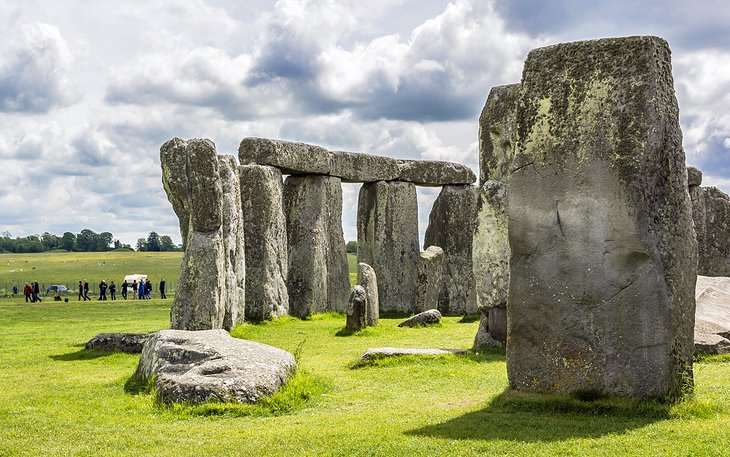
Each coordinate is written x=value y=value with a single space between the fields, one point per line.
x=58 y=399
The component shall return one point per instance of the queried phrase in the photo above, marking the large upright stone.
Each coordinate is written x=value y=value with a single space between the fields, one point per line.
x=318 y=275
x=387 y=240
x=496 y=133
x=357 y=309
x=711 y=214
x=604 y=261
x=451 y=227
x=367 y=278
x=191 y=178
x=234 y=293
x=490 y=256
x=430 y=279
x=265 y=240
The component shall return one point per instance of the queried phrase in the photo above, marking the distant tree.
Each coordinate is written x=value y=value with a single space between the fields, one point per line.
x=166 y=244
x=50 y=241
x=68 y=241
x=153 y=242
x=117 y=244
x=351 y=247
x=104 y=241
x=141 y=244
x=86 y=240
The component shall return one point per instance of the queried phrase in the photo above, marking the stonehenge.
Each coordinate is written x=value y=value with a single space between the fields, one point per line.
x=430 y=279
x=357 y=309
x=711 y=215
x=367 y=279
x=603 y=262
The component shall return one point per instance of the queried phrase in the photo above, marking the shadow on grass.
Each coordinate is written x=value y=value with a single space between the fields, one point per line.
x=469 y=318
x=493 y=355
x=81 y=354
x=515 y=416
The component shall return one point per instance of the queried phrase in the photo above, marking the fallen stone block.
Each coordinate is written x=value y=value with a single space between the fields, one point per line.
x=210 y=365
x=429 y=317
x=380 y=353
x=130 y=343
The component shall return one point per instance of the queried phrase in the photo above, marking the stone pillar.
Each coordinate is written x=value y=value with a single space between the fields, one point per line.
x=318 y=274
x=430 y=279
x=603 y=258
x=368 y=280
x=387 y=238
x=451 y=227
x=357 y=309
x=265 y=240
x=711 y=214
x=190 y=176
x=496 y=133
x=233 y=243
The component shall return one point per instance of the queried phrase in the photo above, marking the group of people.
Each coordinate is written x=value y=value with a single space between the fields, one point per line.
x=32 y=292
x=141 y=290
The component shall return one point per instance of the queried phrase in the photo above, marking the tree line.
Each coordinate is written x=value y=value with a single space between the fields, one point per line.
x=84 y=241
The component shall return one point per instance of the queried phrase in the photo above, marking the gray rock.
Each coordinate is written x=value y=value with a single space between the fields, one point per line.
x=694 y=176
x=368 y=280
x=712 y=317
x=430 y=278
x=190 y=176
x=711 y=214
x=196 y=367
x=451 y=227
x=318 y=277
x=603 y=261
x=306 y=159
x=496 y=133
x=710 y=343
x=357 y=309
x=429 y=317
x=130 y=343
x=484 y=338
x=381 y=353
x=266 y=243
x=490 y=257
x=387 y=238
x=233 y=243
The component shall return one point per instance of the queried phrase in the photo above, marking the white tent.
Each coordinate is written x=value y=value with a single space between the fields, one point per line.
x=135 y=277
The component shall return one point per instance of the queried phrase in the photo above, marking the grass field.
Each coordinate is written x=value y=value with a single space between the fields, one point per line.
x=58 y=399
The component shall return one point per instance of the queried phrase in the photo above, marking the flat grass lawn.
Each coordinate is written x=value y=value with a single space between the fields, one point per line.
x=57 y=399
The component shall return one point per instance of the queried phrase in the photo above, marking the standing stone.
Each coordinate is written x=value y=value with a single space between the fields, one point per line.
x=387 y=239
x=711 y=215
x=490 y=254
x=367 y=279
x=603 y=258
x=496 y=133
x=265 y=240
x=234 y=292
x=451 y=227
x=430 y=278
x=318 y=275
x=190 y=176
x=357 y=309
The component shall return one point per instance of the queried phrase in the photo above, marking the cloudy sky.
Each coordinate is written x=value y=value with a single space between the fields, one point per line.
x=89 y=90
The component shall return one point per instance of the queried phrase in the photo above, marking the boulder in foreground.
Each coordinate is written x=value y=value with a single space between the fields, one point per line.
x=211 y=365
x=130 y=343
x=430 y=317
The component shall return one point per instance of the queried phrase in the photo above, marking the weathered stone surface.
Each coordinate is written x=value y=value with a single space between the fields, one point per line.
x=381 y=353
x=490 y=257
x=130 y=343
x=603 y=261
x=318 y=278
x=711 y=214
x=484 y=338
x=712 y=318
x=430 y=278
x=306 y=159
x=266 y=242
x=367 y=278
x=357 y=309
x=429 y=317
x=451 y=227
x=694 y=176
x=387 y=239
x=234 y=293
x=195 y=367
x=710 y=343
x=190 y=176
x=496 y=133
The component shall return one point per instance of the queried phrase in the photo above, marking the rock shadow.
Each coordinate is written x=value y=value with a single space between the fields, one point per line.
x=81 y=354
x=533 y=418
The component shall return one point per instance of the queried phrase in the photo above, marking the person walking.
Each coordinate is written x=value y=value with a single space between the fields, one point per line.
x=113 y=290
x=102 y=290
x=125 y=286
x=86 y=291
x=140 y=290
x=148 y=290
x=81 y=291
x=28 y=291
x=134 y=288
x=162 y=289
x=36 y=292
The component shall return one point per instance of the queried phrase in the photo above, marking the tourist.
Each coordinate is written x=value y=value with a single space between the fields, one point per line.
x=102 y=290
x=86 y=291
x=81 y=291
x=148 y=289
x=15 y=290
x=28 y=291
x=113 y=290
x=162 y=289
x=125 y=286
x=134 y=289
x=36 y=292
x=140 y=290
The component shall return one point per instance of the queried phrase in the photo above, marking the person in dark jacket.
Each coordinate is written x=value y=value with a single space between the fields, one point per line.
x=141 y=290
x=113 y=290
x=81 y=291
x=36 y=292
x=28 y=291
x=148 y=289
x=125 y=286
x=134 y=288
x=162 y=289
x=102 y=290
x=15 y=290
x=86 y=291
